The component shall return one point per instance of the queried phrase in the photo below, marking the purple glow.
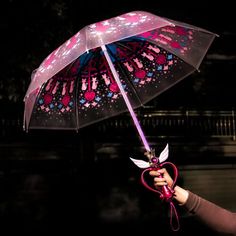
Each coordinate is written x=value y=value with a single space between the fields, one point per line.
x=127 y=102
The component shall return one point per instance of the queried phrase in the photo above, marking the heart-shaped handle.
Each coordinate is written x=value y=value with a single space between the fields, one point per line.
x=166 y=192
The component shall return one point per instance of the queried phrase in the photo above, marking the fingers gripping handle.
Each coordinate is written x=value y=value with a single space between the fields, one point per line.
x=166 y=192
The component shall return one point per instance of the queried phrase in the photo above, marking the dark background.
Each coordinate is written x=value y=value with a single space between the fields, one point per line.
x=63 y=182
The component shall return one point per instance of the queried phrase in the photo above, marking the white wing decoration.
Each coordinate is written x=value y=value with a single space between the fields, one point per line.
x=145 y=164
x=164 y=154
x=140 y=163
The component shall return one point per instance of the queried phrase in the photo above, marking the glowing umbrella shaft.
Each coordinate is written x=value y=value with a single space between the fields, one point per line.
x=116 y=76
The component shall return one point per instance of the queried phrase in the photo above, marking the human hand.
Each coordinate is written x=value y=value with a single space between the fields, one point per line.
x=161 y=177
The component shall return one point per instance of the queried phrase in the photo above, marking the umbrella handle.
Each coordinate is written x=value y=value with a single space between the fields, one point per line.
x=166 y=192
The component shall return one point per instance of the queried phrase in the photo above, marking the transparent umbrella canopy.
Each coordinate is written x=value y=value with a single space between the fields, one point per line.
x=110 y=67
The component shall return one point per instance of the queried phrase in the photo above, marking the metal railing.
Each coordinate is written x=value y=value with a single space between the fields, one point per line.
x=177 y=123
x=174 y=123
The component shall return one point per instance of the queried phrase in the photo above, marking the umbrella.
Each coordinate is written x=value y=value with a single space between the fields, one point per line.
x=110 y=67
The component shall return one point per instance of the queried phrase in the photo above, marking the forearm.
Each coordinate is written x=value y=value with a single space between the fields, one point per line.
x=216 y=217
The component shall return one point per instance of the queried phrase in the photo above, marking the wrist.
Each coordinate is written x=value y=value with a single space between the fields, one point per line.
x=180 y=195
